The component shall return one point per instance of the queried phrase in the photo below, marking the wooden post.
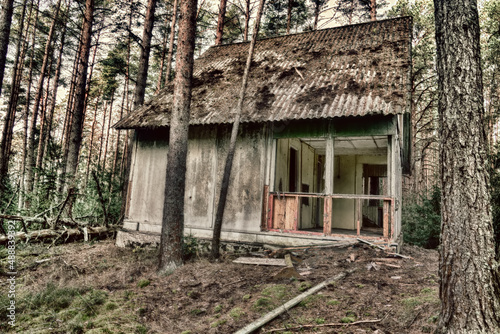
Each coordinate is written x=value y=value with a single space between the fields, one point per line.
x=265 y=199
x=297 y=214
x=327 y=216
x=270 y=212
x=386 y=219
x=358 y=211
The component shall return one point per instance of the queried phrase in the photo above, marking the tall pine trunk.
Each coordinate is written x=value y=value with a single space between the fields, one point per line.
x=170 y=256
x=6 y=143
x=232 y=143
x=75 y=134
x=142 y=74
x=22 y=193
x=31 y=154
x=470 y=282
x=5 y=23
x=220 y=22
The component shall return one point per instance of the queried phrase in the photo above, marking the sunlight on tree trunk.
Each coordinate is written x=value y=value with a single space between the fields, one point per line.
x=469 y=289
x=170 y=256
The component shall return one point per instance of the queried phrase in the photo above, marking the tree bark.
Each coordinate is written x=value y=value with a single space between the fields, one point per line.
x=75 y=135
x=232 y=144
x=5 y=23
x=142 y=75
x=220 y=22
x=470 y=283
x=170 y=256
x=373 y=10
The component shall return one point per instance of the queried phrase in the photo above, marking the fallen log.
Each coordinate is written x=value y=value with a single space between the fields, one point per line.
x=58 y=235
x=37 y=220
x=288 y=305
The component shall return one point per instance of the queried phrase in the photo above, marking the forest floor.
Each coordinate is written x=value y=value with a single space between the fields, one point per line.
x=100 y=288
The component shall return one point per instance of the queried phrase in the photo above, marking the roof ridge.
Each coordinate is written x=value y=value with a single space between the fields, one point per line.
x=317 y=31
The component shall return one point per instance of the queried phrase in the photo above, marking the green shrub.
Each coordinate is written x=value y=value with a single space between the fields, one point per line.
x=422 y=220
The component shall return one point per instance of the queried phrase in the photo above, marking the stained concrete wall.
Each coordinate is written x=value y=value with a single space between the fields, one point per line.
x=207 y=149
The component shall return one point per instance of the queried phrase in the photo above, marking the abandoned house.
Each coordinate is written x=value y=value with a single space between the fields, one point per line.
x=323 y=141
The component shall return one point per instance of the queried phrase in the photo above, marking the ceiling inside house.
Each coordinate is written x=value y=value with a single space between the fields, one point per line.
x=351 y=145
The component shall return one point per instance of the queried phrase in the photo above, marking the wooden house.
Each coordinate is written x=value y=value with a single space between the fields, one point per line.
x=323 y=143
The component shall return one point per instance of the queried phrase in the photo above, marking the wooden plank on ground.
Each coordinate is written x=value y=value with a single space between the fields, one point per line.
x=261 y=261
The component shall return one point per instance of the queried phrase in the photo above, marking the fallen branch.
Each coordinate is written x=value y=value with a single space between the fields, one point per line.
x=36 y=220
x=65 y=235
x=288 y=305
x=326 y=325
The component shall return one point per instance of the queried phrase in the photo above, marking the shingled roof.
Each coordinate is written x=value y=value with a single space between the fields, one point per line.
x=352 y=70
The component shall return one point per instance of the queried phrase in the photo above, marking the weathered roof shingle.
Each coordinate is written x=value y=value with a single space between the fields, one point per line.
x=346 y=71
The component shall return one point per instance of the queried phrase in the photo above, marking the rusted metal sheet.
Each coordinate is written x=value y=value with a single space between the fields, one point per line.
x=354 y=70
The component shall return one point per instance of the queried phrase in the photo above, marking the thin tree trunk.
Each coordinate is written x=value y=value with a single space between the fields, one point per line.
x=170 y=256
x=470 y=281
x=220 y=22
x=107 y=134
x=159 y=84
x=6 y=143
x=232 y=144
x=316 y=14
x=101 y=140
x=127 y=154
x=5 y=23
x=247 y=20
x=75 y=135
x=31 y=157
x=142 y=75
x=91 y=144
x=53 y=96
x=22 y=198
x=289 y=17
x=171 y=43
x=373 y=10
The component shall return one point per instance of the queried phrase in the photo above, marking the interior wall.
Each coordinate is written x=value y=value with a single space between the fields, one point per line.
x=344 y=183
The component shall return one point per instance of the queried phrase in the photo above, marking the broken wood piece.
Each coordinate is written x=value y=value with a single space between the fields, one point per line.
x=288 y=305
x=389 y=265
x=400 y=255
x=371 y=321
x=260 y=261
x=288 y=261
x=372 y=265
x=371 y=244
x=289 y=271
x=385 y=259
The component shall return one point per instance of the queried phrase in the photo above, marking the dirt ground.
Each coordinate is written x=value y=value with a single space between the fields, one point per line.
x=383 y=294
